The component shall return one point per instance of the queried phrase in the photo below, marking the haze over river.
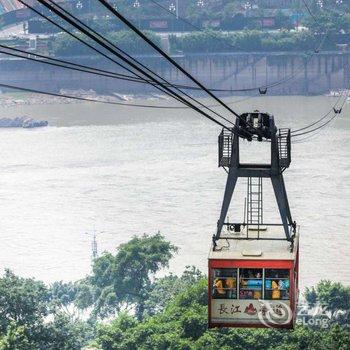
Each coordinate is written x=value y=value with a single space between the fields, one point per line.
x=128 y=171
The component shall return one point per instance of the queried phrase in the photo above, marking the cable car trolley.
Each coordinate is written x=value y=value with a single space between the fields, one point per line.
x=253 y=265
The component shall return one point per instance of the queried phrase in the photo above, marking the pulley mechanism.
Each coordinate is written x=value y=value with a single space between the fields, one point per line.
x=256 y=124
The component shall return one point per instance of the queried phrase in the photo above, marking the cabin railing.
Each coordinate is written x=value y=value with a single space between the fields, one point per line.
x=225 y=148
x=284 y=148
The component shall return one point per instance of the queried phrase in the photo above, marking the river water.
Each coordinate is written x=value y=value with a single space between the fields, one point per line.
x=128 y=171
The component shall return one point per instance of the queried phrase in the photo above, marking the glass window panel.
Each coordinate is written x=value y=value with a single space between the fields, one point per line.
x=224 y=283
x=250 y=283
x=277 y=284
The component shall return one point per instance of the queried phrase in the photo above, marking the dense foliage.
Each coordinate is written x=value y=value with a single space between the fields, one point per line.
x=123 y=306
x=216 y=41
x=183 y=325
x=321 y=29
x=329 y=22
x=123 y=281
x=30 y=318
x=204 y=41
x=223 y=10
x=65 y=45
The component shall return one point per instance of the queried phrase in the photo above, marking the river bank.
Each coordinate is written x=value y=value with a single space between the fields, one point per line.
x=12 y=99
x=286 y=73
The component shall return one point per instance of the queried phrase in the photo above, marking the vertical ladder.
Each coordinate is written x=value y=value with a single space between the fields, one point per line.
x=254 y=203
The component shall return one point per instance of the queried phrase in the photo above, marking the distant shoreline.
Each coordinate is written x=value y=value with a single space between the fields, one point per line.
x=11 y=99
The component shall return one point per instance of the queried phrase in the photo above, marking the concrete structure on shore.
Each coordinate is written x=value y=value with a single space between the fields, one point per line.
x=300 y=74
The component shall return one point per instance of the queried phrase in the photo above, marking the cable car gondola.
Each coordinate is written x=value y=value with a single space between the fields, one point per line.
x=253 y=265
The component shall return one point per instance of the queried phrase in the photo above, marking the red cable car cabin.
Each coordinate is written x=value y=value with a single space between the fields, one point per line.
x=253 y=284
x=253 y=266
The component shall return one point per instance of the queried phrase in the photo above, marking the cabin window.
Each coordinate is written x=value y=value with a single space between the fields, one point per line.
x=250 y=283
x=224 y=284
x=277 y=284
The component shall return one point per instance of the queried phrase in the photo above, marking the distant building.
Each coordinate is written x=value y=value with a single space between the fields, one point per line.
x=277 y=3
x=14 y=5
x=9 y=5
x=12 y=11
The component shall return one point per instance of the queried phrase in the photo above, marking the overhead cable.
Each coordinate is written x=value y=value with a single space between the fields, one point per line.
x=155 y=84
x=259 y=88
x=87 y=44
x=20 y=88
x=165 y=55
x=324 y=124
x=96 y=35
x=318 y=120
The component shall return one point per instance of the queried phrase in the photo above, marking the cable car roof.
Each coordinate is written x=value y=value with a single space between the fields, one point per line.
x=237 y=247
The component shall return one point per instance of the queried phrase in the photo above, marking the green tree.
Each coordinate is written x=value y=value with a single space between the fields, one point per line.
x=182 y=324
x=64 y=333
x=23 y=301
x=333 y=297
x=248 y=40
x=16 y=338
x=62 y=292
x=329 y=22
x=65 y=45
x=63 y=296
x=123 y=281
x=165 y=289
x=31 y=317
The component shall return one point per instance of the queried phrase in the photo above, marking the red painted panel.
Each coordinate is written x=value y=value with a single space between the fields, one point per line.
x=210 y=283
x=278 y=264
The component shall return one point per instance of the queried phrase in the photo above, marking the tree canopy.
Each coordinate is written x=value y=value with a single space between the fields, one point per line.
x=183 y=325
x=124 y=280
x=30 y=318
x=133 y=309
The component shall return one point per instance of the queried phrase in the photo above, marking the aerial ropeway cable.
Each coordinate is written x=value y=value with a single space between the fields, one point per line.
x=31 y=56
x=172 y=61
x=39 y=58
x=129 y=57
x=147 y=77
x=314 y=133
x=155 y=82
x=156 y=85
x=336 y=114
x=126 y=77
x=165 y=55
x=335 y=109
x=165 y=89
x=318 y=120
x=89 y=45
x=72 y=97
x=107 y=45
x=263 y=88
x=131 y=26
x=86 y=69
x=14 y=52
